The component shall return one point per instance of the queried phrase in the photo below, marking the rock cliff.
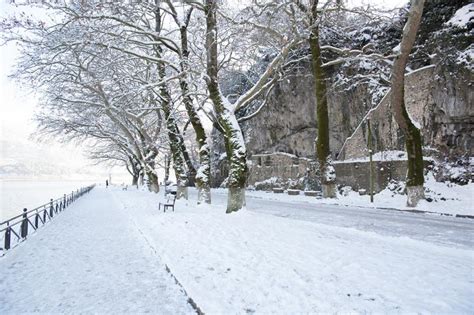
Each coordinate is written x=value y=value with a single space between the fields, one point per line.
x=439 y=97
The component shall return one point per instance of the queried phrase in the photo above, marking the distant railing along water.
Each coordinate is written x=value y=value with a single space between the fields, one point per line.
x=15 y=230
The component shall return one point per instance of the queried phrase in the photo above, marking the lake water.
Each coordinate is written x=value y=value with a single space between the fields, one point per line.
x=18 y=194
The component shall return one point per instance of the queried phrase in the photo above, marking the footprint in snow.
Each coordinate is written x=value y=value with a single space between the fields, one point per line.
x=359 y=295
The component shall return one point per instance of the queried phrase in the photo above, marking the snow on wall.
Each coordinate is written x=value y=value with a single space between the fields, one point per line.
x=418 y=99
x=463 y=16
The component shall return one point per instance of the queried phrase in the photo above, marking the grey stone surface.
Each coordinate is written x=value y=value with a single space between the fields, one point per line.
x=280 y=170
x=443 y=108
x=441 y=102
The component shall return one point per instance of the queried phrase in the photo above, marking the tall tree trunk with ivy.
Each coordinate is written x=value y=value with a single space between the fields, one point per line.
x=191 y=170
x=323 y=154
x=413 y=140
x=201 y=178
x=203 y=182
x=179 y=164
x=233 y=137
x=174 y=135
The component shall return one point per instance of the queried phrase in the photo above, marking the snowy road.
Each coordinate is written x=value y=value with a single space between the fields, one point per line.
x=431 y=228
x=89 y=259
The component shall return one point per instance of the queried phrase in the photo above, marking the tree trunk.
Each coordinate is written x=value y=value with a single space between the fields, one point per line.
x=176 y=155
x=238 y=170
x=140 y=178
x=233 y=137
x=153 y=184
x=328 y=173
x=132 y=170
x=135 y=180
x=176 y=141
x=412 y=134
x=203 y=182
x=138 y=172
x=203 y=178
x=191 y=170
x=167 y=169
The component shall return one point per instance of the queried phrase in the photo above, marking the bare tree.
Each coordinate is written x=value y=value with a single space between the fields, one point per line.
x=86 y=90
x=203 y=182
x=328 y=173
x=413 y=141
x=225 y=111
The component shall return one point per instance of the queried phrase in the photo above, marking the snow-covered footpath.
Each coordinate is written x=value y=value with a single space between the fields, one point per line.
x=107 y=253
x=89 y=259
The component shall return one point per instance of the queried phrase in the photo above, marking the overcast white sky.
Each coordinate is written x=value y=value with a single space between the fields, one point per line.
x=17 y=105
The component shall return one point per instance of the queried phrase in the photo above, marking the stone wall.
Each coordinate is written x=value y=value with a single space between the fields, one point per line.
x=288 y=171
x=279 y=170
x=356 y=174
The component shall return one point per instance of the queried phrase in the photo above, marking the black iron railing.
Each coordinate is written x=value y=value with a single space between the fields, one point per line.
x=15 y=230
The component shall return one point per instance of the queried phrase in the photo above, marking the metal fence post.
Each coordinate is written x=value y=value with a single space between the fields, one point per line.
x=24 y=224
x=64 y=202
x=7 y=236
x=51 y=208
x=37 y=217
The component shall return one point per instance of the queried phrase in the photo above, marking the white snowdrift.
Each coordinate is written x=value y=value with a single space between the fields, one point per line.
x=448 y=198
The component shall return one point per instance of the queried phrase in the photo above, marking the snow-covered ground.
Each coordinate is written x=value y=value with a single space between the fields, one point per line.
x=255 y=262
x=107 y=253
x=89 y=259
x=446 y=198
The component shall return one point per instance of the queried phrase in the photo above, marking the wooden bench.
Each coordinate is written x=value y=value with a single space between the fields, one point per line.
x=169 y=203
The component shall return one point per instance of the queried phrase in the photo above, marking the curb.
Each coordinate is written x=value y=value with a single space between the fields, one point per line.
x=190 y=299
x=464 y=216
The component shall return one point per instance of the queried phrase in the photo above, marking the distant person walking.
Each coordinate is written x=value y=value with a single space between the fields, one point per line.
x=106 y=183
